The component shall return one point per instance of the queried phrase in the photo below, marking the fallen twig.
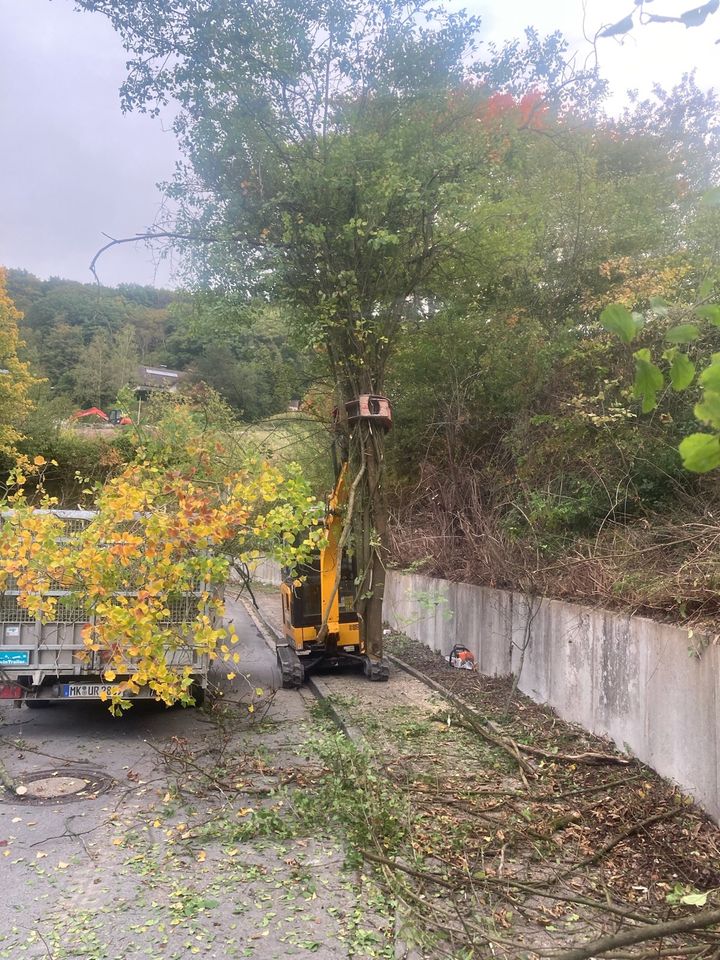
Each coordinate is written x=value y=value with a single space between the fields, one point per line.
x=703 y=950
x=594 y=759
x=596 y=788
x=544 y=893
x=627 y=938
x=418 y=874
x=45 y=943
x=589 y=757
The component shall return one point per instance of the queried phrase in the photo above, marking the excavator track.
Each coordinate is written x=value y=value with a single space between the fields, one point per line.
x=376 y=670
x=291 y=669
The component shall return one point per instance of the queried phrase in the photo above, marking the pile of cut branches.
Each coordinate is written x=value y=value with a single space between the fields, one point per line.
x=526 y=838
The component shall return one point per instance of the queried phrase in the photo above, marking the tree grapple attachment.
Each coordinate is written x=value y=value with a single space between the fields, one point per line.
x=370 y=407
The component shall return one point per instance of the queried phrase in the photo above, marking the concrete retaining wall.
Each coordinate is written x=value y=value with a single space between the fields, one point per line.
x=627 y=678
x=266 y=571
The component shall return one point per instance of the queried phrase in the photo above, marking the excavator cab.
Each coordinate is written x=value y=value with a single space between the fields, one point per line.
x=301 y=650
x=302 y=603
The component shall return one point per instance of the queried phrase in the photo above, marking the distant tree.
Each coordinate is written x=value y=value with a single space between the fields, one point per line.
x=145 y=296
x=104 y=367
x=91 y=374
x=122 y=361
x=15 y=377
x=244 y=350
x=24 y=288
x=685 y=123
x=57 y=350
x=63 y=317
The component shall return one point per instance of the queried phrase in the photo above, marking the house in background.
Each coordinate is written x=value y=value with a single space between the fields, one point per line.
x=158 y=378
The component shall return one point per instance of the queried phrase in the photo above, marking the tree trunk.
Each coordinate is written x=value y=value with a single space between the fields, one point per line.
x=358 y=369
x=370 y=534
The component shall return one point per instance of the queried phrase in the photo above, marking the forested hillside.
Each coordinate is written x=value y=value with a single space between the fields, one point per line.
x=87 y=341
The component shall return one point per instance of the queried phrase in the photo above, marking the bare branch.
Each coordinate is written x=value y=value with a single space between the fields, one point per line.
x=696 y=921
x=154 y=235
x=169 y=235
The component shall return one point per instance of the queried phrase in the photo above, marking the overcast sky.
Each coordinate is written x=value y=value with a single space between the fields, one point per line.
x=73 y=167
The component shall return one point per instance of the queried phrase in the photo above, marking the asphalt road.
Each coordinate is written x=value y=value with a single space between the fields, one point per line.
x=168 y=862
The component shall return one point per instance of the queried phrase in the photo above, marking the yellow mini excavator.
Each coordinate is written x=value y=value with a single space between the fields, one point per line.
x=314 y=593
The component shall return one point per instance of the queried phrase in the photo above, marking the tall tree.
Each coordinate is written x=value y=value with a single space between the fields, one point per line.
x=92 y=373
x=336 y=153
x=329 y=146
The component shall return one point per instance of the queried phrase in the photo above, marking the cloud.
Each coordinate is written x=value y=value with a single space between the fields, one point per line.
x=73 y=166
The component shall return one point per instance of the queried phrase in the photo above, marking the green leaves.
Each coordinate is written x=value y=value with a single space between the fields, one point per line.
x=700 y=452
x=685 y=333
x=708 y=410
x=617 y=319
x=709 y=312
x=710 y=377
x=695 y=899
x=659 y=306
x=649 y=380
x=690 y=896
x=682 y=370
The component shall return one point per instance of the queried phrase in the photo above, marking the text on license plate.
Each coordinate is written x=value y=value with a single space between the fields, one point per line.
x=88 y=690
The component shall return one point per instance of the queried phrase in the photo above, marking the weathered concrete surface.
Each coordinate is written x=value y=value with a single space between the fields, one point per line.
x=266 y=571
x=627 y=678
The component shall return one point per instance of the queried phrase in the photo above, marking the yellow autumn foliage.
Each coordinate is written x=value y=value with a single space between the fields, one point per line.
x=164 y=537
x=15 y=377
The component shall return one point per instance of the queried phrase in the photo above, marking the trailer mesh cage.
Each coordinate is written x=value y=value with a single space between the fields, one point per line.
x=46 y=648
x=74 y=521
x=12 y=612
x=184 y=608
x=71 y=611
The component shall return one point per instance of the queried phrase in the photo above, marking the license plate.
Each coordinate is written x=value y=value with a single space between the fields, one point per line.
x=89 y=691
x=15 y=657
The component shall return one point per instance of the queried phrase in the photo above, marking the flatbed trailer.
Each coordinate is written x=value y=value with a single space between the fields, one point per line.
x=39 y=660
